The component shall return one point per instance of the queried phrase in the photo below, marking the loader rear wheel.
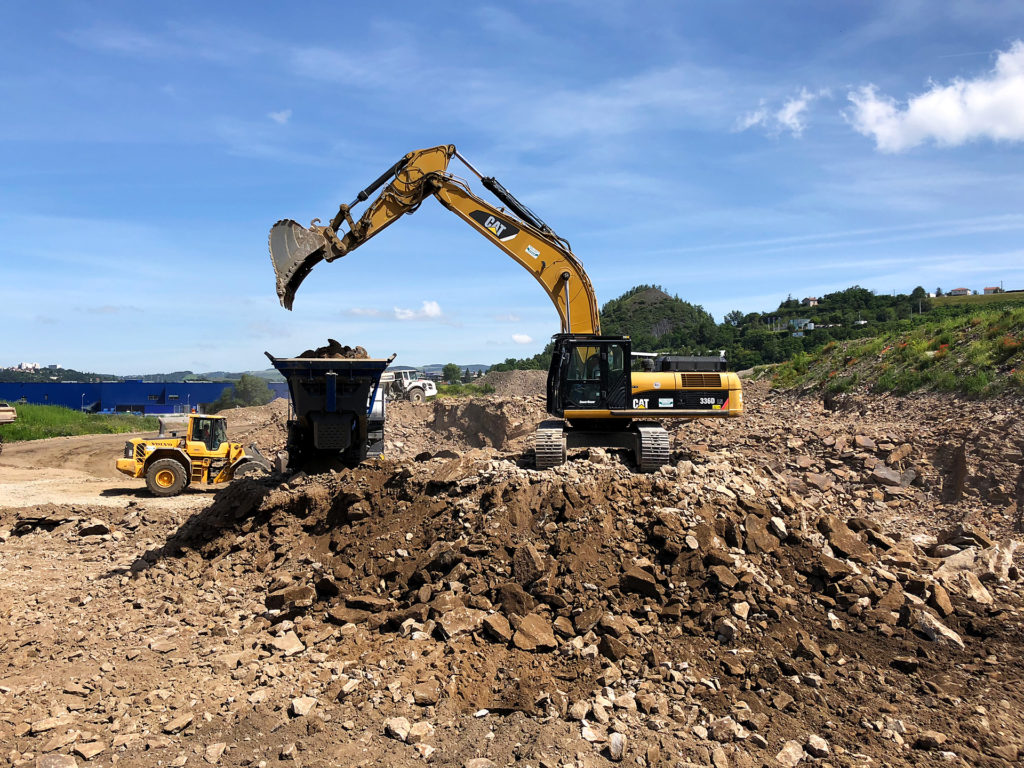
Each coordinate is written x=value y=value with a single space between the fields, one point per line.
x=166 y=477
x=416 y=396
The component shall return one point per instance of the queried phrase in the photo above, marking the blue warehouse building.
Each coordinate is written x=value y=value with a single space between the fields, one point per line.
x=122 y=396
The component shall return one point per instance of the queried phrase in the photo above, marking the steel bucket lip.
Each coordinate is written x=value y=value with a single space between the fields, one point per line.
x=294 y=251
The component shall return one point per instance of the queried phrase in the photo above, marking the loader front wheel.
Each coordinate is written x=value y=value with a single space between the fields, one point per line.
x=166 y=477
x=416 y=395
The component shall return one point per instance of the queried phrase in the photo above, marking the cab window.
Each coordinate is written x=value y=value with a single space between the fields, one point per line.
x=211 y=432
x=220 y=433
x=585 y=364
x=616 y=359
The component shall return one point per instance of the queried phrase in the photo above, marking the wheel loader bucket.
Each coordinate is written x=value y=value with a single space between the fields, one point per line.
x=294 y=251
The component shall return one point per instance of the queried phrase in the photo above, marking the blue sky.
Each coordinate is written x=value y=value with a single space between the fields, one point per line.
x=734 y=153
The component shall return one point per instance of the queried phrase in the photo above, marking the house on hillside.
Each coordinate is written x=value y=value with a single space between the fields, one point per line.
x=960 y=292
x=993 y=289
x=810 y=301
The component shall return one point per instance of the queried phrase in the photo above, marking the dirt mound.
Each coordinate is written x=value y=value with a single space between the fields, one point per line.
x=515 y=383
x=264 y=425
x=714 y=608
x=458 y=424
x=336 y=350
x=795 y=587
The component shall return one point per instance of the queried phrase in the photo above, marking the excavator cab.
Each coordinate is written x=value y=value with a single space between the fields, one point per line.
x=588 y=373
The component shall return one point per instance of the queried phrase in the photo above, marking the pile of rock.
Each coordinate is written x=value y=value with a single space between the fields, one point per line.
x=704 y=611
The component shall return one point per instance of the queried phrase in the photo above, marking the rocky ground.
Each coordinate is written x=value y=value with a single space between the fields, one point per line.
x=799 y=587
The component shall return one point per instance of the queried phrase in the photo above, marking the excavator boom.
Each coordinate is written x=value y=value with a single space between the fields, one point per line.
x=596 y=397
x=514 y=228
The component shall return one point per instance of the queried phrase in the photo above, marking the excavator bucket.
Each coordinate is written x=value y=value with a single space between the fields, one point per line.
x=294 y=251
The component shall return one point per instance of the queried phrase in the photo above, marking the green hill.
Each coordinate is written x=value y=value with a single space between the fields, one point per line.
x=842 y=340
x=656 y=321
x=980 y=353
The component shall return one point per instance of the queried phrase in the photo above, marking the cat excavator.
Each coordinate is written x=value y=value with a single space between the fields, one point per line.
x=593 y=394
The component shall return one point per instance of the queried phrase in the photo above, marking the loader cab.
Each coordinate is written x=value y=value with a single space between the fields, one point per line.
x=212 y=431
x=588 y=373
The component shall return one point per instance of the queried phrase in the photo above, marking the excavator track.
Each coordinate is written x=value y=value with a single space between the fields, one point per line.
x=549 y=445
x=652 y=447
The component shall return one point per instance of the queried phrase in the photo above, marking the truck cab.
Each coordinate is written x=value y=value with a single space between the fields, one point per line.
x=407 y=385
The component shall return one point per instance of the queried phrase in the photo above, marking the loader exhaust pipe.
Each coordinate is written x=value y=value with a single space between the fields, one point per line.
x=295 y=249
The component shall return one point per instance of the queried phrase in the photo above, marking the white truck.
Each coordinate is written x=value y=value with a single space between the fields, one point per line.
x=7 y=415
x=407 y=385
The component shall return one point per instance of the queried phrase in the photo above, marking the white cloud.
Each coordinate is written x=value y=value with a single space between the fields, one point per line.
x=430 y=310
x=791 y=116
x=363 y=312
x=990 y=106
x=758 y=117
x=507 y=318
x=521 y=338
x=281 y=117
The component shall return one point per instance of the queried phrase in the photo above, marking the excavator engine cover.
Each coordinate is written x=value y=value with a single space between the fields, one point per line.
x=294 y=251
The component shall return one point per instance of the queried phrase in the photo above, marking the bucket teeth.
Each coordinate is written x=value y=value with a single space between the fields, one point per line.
x=294 y=251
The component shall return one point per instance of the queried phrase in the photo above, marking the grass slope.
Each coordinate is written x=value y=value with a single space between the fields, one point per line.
x=36 y=422
x=982 y=300
x=981 y=355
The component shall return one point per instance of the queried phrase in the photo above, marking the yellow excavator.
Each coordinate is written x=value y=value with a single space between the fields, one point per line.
x=592 y=391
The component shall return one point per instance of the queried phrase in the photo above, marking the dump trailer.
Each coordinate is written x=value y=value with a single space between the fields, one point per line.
x=338 y=408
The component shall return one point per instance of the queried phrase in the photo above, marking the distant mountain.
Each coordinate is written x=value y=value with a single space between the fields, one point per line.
x=436 y=367
x=270 y=374
x=55 y=374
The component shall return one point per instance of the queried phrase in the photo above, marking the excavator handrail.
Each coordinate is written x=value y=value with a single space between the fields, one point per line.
x=519 y=232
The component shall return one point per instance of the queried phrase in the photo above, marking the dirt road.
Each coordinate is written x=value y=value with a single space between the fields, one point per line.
x=80 y=469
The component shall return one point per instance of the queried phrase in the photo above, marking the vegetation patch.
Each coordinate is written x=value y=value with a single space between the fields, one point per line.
x=978 y=355
x=36 y=422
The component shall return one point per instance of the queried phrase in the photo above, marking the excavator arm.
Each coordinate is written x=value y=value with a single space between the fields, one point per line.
x=295 y=250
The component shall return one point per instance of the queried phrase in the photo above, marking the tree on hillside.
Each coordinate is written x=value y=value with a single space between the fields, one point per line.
x=734 y=318
x=451 y=373
x=248 y=390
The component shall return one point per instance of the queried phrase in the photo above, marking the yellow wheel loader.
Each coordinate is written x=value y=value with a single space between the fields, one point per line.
x=596 y=397
x=170 y=463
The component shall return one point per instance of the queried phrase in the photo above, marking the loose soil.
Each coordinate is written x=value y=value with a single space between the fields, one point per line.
x=337 y=350
x=802 y=585
x=515 y=383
